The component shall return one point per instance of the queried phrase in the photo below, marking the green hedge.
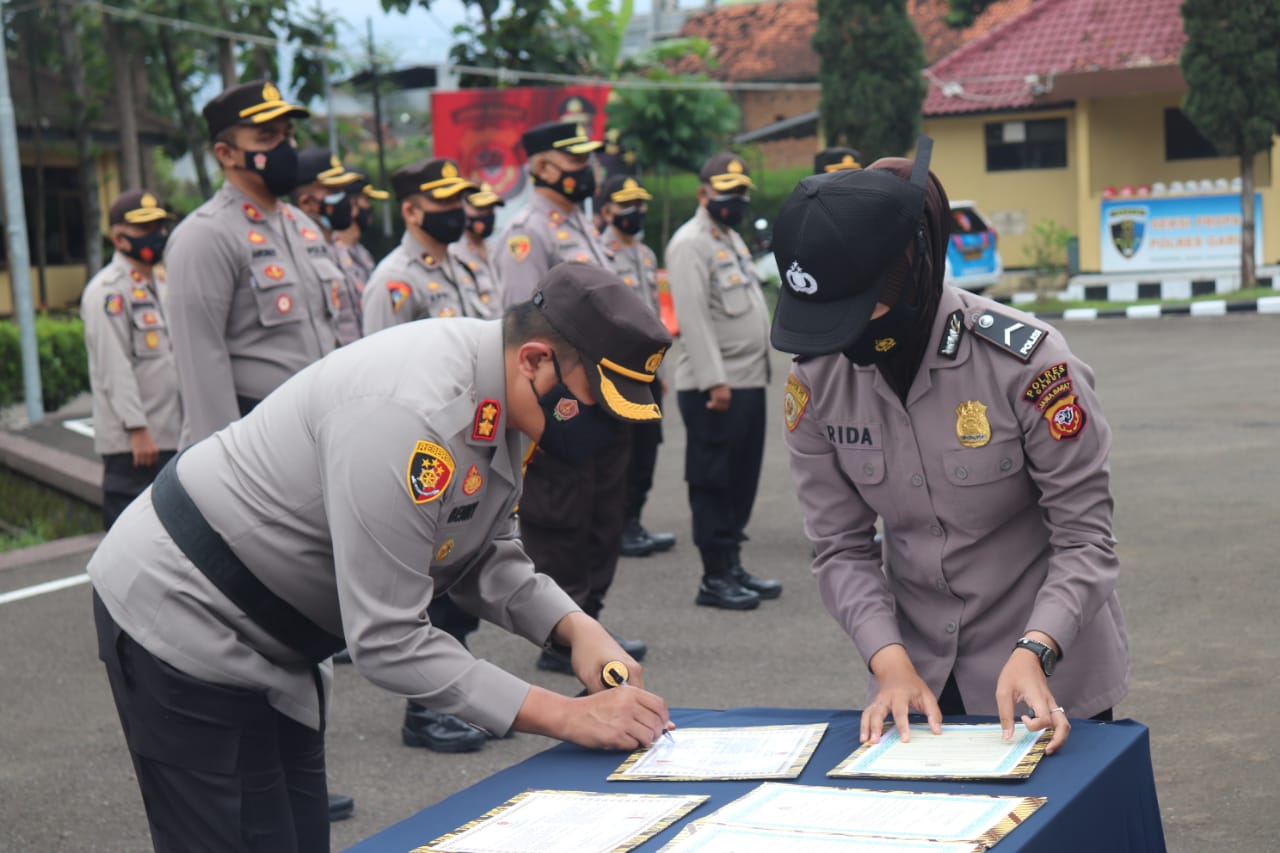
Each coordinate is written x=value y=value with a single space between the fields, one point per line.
x=64 y=363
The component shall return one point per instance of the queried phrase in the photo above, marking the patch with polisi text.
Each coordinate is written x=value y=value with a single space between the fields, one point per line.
x=795 y=399
x=429 y=472
x=1046 y=380
x=1017 y=338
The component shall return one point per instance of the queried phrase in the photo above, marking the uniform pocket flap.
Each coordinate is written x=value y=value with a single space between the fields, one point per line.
x=268 y=274
x=978 y=466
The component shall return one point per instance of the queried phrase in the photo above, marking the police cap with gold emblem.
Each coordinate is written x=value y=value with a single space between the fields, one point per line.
x=624 y=189
x=438 y=178
x=257 y=102
x=558 y=136
x=620 y=339
x=137 y=207
x=726 y=172
x=840 y=238
x=485 y=197
x=835 y=159
x=362 y=186
x=319 y=166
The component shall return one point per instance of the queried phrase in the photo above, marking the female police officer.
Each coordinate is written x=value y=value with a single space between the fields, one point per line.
x=976 y=436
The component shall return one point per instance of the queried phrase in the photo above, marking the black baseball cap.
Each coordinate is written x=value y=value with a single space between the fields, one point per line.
x=620 y=339
x=438 y=178
x=835 y=159
x=726 y=172
x=558 y=136
x=624 y=189
x=257 y=102
x=137 y=207
x=837 y=240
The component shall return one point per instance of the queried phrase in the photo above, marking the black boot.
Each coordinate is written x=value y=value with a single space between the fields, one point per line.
x=660 y=541
x=766 y=589
x=439 y=732
x=636 y=541
x=341 y=807
x=636 y=648
x=719 y=588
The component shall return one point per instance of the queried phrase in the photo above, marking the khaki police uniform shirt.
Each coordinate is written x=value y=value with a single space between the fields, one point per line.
x=131 y=367
x=724 y=322
x=249 y=304
x=536 y=239
x=486 y=297
x=994 y=487
x=364 y=487
x=345 y=295
x=411 y=284
x=636 y=265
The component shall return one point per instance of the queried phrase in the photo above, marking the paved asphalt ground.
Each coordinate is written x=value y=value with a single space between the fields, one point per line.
x=1194 y=404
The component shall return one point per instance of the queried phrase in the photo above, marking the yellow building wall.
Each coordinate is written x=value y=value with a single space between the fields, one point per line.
x=1013 y=201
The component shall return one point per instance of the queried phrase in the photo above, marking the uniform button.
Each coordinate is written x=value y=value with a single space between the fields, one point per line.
x=1006 y=463
x=868 y=469
x=935 y=530
x=962 y=473
x=917 y=480
x=906 y=422
x=940 y=585
x=951 y=627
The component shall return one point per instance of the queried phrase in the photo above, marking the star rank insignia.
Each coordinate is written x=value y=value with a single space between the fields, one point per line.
x=486 y=423
x=252 y=213
x=429 y=472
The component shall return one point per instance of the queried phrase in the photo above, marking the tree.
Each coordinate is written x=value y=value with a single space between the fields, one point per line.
x=1231 y=62
x=69 y=20
x=870 y=63
x=962 y=13
x=671 y=129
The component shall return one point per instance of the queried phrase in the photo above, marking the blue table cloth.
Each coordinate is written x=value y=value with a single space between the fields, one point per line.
x=1100 y=788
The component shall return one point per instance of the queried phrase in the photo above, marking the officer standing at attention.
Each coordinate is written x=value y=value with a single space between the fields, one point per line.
x=721 y=371
x=356 y=260
x=472 y=250
x=137 y=412
x=623 y=205
x=322 y=195
x=836 y=160
x=571 y=515
x=975 y=434
x=374 y=480
x=419 y=279
x=249 y=276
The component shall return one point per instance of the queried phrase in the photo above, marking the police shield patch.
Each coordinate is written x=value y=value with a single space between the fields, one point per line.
x=794 y=401
x=429 y=473
x=519 y=247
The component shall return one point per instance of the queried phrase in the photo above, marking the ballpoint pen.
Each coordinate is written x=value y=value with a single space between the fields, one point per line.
x=614 y=674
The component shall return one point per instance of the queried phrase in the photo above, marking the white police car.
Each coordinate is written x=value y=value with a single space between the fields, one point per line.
x=973 y=260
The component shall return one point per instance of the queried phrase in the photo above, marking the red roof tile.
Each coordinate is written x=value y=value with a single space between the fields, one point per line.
x=771 y=41
x=1053 y=37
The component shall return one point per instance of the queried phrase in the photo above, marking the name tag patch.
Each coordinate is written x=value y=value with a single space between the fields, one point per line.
x=854 y=435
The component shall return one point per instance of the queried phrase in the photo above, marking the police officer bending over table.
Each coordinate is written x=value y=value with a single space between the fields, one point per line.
x=975 y=434
x=373 y=480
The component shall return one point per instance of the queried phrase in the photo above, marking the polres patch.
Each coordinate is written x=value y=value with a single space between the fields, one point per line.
x=519 y=247
x=1066 y=418
x=429 y=473
x=795 y=399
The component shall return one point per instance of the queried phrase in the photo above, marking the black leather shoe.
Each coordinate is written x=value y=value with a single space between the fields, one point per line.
x=766 y=589
x=341 y=807
x=636 y=648
x=439 y=732
x=555 y=658
x=636 y=541
x=343 y=656
x=661 y=541
x=726 y=594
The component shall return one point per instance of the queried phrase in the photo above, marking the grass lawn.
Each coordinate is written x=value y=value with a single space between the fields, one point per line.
x=31 y=513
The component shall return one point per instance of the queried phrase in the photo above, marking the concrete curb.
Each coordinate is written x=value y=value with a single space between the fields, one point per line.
x=75 y=475
x=1207 y=308
x=54 y=550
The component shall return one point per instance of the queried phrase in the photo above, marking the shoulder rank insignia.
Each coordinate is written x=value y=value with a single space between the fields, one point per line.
x=1009 y=334
x=114 y=304
x=972 y=427
x=519 y=247
x=429 y=473
x=399 y=293
x=472 y=482
x=251 y=212
x=951 y=335
x=486 y=423
x=794 y=401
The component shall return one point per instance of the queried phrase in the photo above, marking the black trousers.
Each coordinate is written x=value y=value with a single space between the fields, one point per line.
x=452 y=619
x=645 y=439
x=122 y=481
x=722 y=461
x=220 y=770
x=571 y=519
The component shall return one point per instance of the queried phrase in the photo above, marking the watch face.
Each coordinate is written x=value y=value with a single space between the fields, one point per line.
x=1048 y=662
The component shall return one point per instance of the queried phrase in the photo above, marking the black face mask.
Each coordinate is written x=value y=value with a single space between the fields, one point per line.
x=629 y=220
x=445 y=225
x=728 y=210
x=576 y=186
x=277 y=167
x=336 y=212
x=883 y=336
x=573 y=430
x=364 y=218
x=480 y=226
x=149 y=248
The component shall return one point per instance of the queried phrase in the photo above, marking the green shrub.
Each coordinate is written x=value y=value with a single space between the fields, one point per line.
x=64 y=363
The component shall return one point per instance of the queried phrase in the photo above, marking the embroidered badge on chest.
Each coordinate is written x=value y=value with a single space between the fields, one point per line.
x=472 y=482
x=794 y=401
x=114 y=304
x=519 y=248
x=398 y=291
x=429 y=473
x=445 y=549
x=972 y=427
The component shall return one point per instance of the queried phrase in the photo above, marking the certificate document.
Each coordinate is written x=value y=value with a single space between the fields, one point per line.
x=962 y=751
x=704 y=837
x=556 y=821
x=746 y=752
x=901 y=815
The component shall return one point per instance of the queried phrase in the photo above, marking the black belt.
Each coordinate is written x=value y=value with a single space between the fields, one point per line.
x=206 y=549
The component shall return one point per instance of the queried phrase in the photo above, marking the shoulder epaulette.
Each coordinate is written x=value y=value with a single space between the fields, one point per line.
x=1011 y=334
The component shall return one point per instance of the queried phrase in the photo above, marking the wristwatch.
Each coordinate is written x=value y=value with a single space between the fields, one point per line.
x=1048 y=657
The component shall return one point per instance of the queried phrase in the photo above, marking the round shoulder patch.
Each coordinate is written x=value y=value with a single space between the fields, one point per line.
x=429 y=472
x=794 y=401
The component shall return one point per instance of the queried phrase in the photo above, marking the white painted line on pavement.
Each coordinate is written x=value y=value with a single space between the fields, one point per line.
x=1080 y=314
x=42 y=588
x=1209 y=308
x=80 y=426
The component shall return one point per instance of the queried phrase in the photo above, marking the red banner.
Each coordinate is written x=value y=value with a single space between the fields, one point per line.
x=480 y=128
